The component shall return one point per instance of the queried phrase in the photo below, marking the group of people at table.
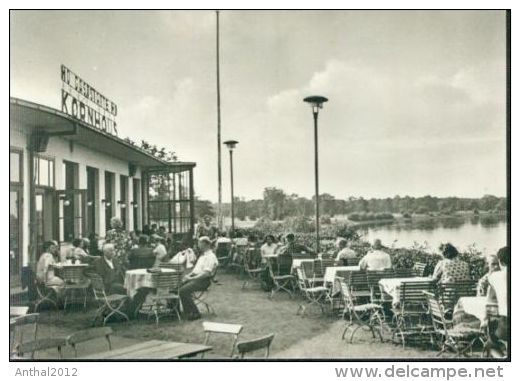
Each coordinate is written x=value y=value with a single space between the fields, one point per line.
x=122 y=251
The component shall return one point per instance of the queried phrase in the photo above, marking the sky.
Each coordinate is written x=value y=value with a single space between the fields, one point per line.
x=417 y=99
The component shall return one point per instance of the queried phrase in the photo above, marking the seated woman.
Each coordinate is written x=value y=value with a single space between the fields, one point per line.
x=141 y=257
x=160 y=252
x=44 y=268
x=450 y=269
x=344 y=252
x=268 y=249
x=483 y=283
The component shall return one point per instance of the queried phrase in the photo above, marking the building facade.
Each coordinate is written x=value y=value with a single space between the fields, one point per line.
x=68 y=179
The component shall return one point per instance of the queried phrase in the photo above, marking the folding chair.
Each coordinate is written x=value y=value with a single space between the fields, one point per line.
x=166 y=299
x=489 y=344
x=87 y=335
x=109 y=305
x=224 y=252
x=41 y=345
x=222 y=328
x=350 y=261
x=245 y=347
x=17 y=325
x=459 y=339
x=360 y=315
x=280 y=282
x=358 y=283
x=450 y=293
x=326 y=262
x=76 y=286
x=252 y=267
x=411 y=316
x=309 y=270
x=373 y=278
x=314 y=295
x=419 y=269
x=200 y=297
x=45 y=294
x=179 y=267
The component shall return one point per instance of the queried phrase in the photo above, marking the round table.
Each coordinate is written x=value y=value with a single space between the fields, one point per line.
x=139 y=278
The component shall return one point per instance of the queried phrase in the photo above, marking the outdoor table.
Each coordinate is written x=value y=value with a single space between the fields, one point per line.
x=330 y=275
x=152 y=350
x=470 y=307
x=139 y=278
x=296 y=263
x=17 y=311
x=392 y=286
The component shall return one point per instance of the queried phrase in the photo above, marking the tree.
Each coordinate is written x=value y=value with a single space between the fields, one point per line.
x=274 y=200
x=203 y=208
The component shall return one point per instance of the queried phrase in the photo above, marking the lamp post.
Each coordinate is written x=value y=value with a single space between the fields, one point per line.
x=316 y=102
x=231 y=144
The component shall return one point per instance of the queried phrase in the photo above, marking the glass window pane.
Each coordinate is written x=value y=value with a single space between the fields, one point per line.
x=14 y=169
x=43 y=172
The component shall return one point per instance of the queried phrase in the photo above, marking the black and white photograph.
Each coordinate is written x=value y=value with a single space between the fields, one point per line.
x=259 y=185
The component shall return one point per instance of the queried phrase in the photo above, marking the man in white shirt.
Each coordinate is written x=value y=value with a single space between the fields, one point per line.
x=376 y=259
x=199 y=279
x=498 y=294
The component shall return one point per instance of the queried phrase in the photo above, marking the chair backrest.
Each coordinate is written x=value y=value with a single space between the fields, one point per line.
x=245 y=347
x=303 y=280
x=358 y=282
x=350 y=261
x=284 y=264
x=252 y=259
x=73 y=274
x=412 y=294
x=165 y=282
x=419 y=269
x=404 y=273
x=223 y=249
x=346 y=295
x=98 y=287
x=319 y=271
x=308 y=269
x=89 y=334
x=41 y=345
x=22 y=321
x=436 y=312
x=450 y=293
x=172 y=266
x=326 y=262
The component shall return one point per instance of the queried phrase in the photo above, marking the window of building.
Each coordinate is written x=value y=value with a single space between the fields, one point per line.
x=44 y=171
x=15 y=166
x=123 y=199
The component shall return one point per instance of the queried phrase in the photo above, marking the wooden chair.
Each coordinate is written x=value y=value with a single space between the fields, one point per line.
x=87 y=335
x=450 y=293
x=17 y=326
x=179 y=267
x=360 y=315
x=459 y=339
x=109 y=305
x=280 y=282
x=309 y=269
x=314 y=295
x=358 y=283
x=76 y=286
x=41 y=345
x=318 y=269
x=419 y=269
x=493 y=349
x=327 y=262
x=224 y=253
x=44 y=294
x=200 y=297
x=350 y=261
x=373 y=278
x=245 y=347
x=222 y=328
x=404 y=273
x=411 y=315
x=166 y=299
x=252 y=267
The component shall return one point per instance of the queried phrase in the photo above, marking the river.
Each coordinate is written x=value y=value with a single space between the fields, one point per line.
x=487 y=233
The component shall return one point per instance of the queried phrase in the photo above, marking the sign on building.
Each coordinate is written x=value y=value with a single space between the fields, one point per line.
x=83 y=102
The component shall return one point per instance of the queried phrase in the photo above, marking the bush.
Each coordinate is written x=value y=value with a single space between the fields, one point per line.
x=299 y=224
x=407 y=215
x=325 y=220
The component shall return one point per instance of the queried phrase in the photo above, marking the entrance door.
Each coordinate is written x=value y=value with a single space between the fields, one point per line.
x=72 y=214
x=45 y=211
x=15 y=237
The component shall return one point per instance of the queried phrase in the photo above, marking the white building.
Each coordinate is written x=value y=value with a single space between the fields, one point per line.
x=80 y=178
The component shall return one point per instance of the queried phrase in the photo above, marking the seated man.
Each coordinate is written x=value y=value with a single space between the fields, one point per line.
x=44 y=268
x=199 y=279
x=344 y=251
x=105 y=267
x=291 y=249
x=497 y=294
x=376 y=259
x=141 y=257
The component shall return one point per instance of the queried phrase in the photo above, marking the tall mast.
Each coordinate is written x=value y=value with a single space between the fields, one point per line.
x=219 y=154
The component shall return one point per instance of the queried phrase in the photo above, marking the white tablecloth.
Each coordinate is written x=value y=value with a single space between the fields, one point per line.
x=136 y=279
x=297 y=263
x=470 y=305
x=330 y=272
x=392 y=286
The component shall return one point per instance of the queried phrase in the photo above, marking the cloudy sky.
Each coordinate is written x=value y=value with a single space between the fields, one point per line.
x=417 y=99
